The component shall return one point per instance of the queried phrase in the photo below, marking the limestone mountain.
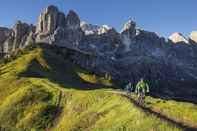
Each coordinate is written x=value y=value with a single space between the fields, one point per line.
x=64 y=74
x=127 y=56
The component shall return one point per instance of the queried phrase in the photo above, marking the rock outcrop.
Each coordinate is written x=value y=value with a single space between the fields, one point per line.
x=49 y=20
x=17 y=37
x=89 y=29
x=4 y=34
x=21 y=31
x=55 y=28
x=127 y=34
x=129 y=29
x=102 y=40
x=72 y=21
x=72 y=33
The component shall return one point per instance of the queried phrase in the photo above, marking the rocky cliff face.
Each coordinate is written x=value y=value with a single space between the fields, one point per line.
x=127 y=56
x=4 y=34
x=17 y=37
x=49 y=20
x=55 y=28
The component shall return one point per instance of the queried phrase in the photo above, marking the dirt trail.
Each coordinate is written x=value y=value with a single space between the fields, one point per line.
x=58 y=112
x=163 y=117
x=183 y=126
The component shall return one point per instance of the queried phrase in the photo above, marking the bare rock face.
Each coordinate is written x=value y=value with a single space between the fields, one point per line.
x=4 y=34
x=137 y=41
x=30 y=38
x=8 y=45
x=21 y=31
x=104 y=29
x=127 y=34
x=17 y=37
x=71 y=35
x=72 y=21
x=100 y=40
x=49 y=20
x=55 y=28
x=89 y=29
x=129 y=29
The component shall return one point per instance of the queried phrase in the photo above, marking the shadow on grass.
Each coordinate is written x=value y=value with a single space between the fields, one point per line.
x=59 y=71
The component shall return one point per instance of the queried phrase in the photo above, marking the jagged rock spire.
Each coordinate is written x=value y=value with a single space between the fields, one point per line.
x=89 y=29
x=72 y=20
x=20 y=29
x=128 y=33
x=49 y=20
x=129 y=25
x=129 y=29
x=4 y=33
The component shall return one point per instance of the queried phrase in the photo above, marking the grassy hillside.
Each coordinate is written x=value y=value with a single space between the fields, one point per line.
x=42 y=91
x=182 y=112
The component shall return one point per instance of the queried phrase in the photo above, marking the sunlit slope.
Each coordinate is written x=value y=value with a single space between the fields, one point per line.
x=182 y=112
x=100 y=110
x=42 y=91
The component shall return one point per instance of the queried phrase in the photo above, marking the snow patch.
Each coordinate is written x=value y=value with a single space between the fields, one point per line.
x=178 y=37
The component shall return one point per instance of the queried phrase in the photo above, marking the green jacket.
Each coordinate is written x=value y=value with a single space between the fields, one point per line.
x=142 y=87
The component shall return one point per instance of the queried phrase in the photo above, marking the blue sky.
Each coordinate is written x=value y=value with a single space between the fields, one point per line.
x=161 y=16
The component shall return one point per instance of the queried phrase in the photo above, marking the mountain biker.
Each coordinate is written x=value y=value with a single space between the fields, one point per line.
x=128 y=88
x=141 y=89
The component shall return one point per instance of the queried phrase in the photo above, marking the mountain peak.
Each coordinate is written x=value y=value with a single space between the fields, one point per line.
x=178 y=37
x=47 y=21
x=129 y=25
x=72 y=19
x=193 y=36
x=51 y=8
x=89 y=29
